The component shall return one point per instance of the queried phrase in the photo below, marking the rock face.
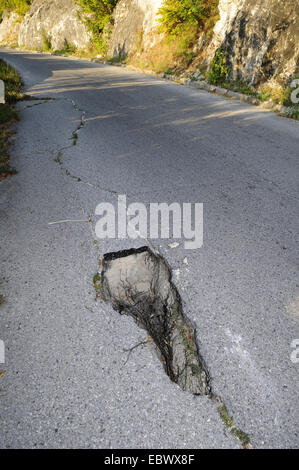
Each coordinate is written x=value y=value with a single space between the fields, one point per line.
x=9 y=28
x=134 y=22
x=57 y=21
x=261 y=38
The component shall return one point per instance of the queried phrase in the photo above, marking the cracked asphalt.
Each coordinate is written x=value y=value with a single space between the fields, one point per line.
x=70 y=380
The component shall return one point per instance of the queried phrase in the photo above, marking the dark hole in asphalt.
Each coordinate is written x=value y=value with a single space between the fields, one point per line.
x=137 y=282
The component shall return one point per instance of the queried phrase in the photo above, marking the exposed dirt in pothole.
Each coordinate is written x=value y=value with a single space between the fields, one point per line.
x=138 y=283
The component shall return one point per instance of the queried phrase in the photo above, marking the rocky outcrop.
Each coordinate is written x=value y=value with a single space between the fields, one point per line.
x=135 y=22
x=9 y=28
x=57 y=22
x=261 y=38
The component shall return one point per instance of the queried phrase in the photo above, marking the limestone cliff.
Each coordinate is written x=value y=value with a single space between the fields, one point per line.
x=261 y=38
x=57 y=20
x=134 y=22
x=9 y=28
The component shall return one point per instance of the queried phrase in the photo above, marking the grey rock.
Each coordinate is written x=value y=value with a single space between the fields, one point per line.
x=195 y=84
x=262 y=42
x=234 y=94
x=134 y=22
x=9 y=28
x=198 y=76
x=268 y=105
x=57 y=21
x=220 y=91
x=252 y=100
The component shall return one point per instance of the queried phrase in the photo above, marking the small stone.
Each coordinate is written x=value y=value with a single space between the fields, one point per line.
x=173 y=245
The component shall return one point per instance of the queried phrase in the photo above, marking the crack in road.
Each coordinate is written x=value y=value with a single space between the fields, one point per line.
x=138 y=283
x=79 y=179
x=74 y=139
x=155 y=305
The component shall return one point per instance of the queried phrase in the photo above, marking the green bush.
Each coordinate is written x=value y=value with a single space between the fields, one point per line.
x=67 y=49
x=219 y=69
x=19 y=6
x=47 y=45
x=175 y=15
x=97 y=15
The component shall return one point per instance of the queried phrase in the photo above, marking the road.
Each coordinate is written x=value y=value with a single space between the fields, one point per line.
x=70 y=380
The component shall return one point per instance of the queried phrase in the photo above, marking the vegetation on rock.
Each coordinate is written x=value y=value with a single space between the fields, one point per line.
x=175 y=15
x=97 y=15
x=19 y=6
x=219 y=70
x=182 y=24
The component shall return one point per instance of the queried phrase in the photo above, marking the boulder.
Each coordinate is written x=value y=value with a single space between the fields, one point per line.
x=135 y=24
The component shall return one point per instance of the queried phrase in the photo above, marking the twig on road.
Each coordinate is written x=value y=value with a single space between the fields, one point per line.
x=68 y=220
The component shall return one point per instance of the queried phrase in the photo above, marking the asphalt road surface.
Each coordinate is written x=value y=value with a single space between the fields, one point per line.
x=70 y=378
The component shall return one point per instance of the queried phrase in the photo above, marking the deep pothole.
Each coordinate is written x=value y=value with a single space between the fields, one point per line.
x=137 y=282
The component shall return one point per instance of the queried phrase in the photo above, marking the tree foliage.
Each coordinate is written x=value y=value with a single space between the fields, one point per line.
x=175 y=15
x=19 y=6
x=97 y=15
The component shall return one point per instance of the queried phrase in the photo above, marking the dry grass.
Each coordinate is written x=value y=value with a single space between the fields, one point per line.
x=170 y=53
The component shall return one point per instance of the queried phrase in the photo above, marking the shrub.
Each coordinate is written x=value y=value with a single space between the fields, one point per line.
x=19 y=6
x=219 y=69
x=172 y=54
x=67 y=49
x=278 y=94
x=176 y=14
x=97 y=15
x=47 y=45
